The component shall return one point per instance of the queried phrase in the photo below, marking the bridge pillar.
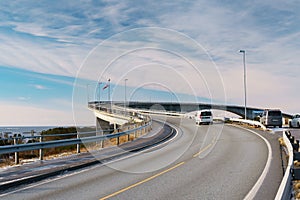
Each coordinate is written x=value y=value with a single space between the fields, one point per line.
x=101 y=125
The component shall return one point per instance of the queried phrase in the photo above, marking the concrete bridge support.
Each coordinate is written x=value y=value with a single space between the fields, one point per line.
x=101 y=124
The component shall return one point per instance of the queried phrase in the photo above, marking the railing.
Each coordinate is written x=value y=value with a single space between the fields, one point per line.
x=59 y=135
x=66 y=142
x=115 y=109
x=285 y=188
x=159 y=112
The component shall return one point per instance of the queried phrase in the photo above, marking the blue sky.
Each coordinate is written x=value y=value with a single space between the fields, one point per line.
x=46 y=46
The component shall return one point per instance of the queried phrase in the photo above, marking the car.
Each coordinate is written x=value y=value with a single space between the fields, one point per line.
x=271 y=117
x=295 y=122
x=204 y=117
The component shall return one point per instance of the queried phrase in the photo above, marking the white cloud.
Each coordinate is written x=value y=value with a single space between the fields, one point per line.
x=264 y=90
x=32 y=115
x=54 y=39
x=39 y=87
x=24 y=98
x=40 y=57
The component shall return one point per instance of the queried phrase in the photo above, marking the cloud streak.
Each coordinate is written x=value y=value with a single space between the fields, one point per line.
x=57 y=39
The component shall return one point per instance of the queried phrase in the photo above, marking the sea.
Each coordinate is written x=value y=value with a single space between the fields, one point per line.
x=25 y=130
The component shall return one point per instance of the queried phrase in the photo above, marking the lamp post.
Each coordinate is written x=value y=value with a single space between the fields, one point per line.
x=125 y=96
x=99 y=93
x=245 y=88
x=87 y=93
x=109 y=100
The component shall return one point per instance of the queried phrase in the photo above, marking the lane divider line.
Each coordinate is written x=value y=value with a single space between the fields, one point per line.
x=207 y=147
x=204 y=149
x=141 y=182
x=251 y=194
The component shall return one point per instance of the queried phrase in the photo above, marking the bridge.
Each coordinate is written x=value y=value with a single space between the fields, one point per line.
x=189 y=107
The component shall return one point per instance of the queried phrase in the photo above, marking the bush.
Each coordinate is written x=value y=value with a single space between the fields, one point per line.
x=58 y=131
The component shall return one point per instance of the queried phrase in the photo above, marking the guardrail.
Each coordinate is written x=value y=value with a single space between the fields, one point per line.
x=60 y=135
x=58 y=143
x=175 y=114
x=112 y=109
x=115 y=109
x=285 y=188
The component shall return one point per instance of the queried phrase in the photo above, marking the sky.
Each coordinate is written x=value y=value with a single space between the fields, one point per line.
x=55 y=54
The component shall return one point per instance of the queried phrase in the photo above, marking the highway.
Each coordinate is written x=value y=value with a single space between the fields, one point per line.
x=202 y=162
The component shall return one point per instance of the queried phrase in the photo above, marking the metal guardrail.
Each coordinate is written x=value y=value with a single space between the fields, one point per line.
x=158 y=112
x=285 y=188
x=115 y=109
x=58 y=143
x=59 y=135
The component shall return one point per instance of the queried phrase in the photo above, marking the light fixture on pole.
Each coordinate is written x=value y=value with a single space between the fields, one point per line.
x=245 y=88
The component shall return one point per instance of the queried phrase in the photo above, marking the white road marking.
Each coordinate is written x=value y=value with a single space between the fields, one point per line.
x=251 y=194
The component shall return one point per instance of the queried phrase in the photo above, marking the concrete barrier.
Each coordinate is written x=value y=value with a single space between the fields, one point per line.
x=249 y=122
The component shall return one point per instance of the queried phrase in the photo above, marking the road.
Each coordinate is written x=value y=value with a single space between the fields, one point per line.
x=201 y=162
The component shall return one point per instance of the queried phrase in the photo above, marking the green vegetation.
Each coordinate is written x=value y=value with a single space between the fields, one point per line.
x=58 y=131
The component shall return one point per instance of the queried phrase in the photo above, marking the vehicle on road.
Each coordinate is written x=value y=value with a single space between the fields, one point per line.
x=204 y=117
x=271 y=117
x=295 y=122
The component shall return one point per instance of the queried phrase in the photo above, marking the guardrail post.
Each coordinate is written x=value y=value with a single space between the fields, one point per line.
x=141 y=130
x=138 y=131
x=78 y=145
x=41 y=150
x=144 y=129
x=128 y=136
x=135 y=132
x=102 y=141
x=118 y=140
x=17 y=160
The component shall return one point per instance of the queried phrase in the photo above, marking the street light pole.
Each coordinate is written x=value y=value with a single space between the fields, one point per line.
x=88 y=95
x=125 y=96
x=245 y=88
x=99 y=92
x=109 y=95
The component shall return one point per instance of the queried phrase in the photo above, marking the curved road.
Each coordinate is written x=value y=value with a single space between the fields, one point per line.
x=201 y=162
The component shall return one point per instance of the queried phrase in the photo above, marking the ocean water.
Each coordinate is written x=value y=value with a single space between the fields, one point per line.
x=25 y=129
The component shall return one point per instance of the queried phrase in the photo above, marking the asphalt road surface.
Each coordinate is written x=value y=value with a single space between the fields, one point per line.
x=202 y=162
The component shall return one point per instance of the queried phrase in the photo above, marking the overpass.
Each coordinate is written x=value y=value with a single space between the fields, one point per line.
x=189 y=107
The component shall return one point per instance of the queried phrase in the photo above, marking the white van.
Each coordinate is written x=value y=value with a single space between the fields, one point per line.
x=204 y=117
x=271 y=118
